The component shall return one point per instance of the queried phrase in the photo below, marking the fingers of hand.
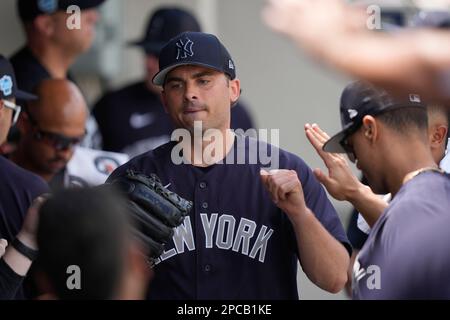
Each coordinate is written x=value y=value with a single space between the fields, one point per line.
x=317 y=140
x=39 y=201
x=280 y=183
x=278 y=13
x=313 y=139
x=3 y=245
x=320 y=132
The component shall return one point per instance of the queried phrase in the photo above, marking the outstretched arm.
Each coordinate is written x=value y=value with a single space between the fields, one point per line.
x=324 y=259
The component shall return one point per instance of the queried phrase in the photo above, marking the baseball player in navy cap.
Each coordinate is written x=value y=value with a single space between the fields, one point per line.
x=9 y=93
x=53 y=44
x=132 y=119
x=52 y=47
x=18 y=188
x=249 y=227
x=379 y=132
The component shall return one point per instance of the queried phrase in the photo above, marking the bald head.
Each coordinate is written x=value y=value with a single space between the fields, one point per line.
x=51 y=127
x=60 y=107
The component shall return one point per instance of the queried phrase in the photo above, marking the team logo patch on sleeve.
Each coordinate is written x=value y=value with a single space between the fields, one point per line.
x=106 y=165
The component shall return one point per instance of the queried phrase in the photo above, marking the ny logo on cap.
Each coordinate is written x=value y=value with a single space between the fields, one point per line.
x=48 y=6
x=6 y=85
x=184 y=48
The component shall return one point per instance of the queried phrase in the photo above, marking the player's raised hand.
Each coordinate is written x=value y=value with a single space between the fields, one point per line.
x=285 y=190
x=3 y=245
x=340 y=182
x=310 y=21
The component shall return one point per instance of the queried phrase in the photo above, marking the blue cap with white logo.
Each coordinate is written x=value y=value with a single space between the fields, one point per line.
x=194 y=48
x=8 y=84
x=360 y=99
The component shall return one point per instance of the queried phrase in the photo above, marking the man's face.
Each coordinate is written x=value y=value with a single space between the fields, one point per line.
x=5 y=121
x=193 y=93
x=368 y=160
x=50 y=144
x=75 y=40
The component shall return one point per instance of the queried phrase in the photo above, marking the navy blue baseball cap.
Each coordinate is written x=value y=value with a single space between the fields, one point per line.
x=166 y=23
x=30 y=9
x=8 y=84
x=360 y=99
x=194 y=48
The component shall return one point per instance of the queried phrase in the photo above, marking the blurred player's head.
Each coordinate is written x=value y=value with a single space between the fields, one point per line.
x=51 y=127
x=199 y=81
x=54 y=24
x=164 y=24
x=85 y=249
x=376 y=129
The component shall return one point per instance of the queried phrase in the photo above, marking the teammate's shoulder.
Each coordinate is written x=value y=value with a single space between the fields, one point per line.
x=285 y=159
x=146 y=162
x=21 y=177
x=423 y=197
x=432 y=182
x=129 y=91
x=160 y=152
x=18 y=56
x=24 y=60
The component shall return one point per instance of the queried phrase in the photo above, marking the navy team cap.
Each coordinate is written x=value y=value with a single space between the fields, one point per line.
x=166 y=23
x=194 y=48
x=30 y=9
x=8 y=84
x=360 y=99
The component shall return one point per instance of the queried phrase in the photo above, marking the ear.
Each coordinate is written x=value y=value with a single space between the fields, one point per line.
x=152 y=61
x=438 y=135
x=370 y=127
x=44 y=24
x=235 y=90
x=23 y=124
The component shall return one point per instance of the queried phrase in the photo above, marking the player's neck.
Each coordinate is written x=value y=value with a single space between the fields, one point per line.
x=211 y=148
x=406 y=162
x=22 y=160
x=54 y=59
